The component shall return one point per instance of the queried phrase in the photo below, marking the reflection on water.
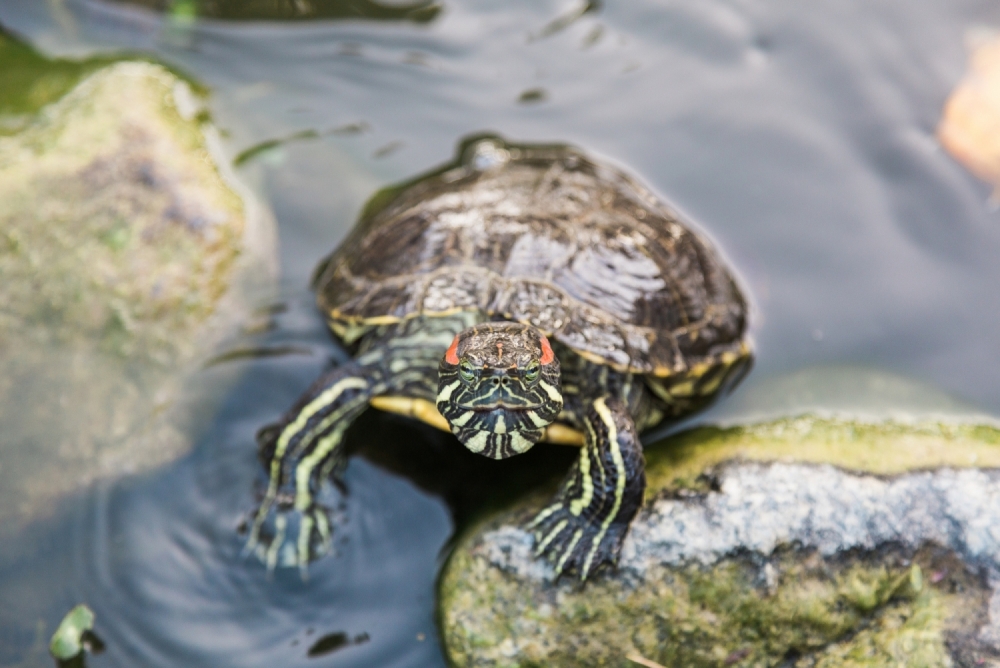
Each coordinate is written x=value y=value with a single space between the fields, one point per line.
x=294 y=10
x=800 y=136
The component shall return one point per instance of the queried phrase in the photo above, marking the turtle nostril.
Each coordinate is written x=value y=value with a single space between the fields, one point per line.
x=496 y=381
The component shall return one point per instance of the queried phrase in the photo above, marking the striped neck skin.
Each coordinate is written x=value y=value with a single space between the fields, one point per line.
x=498 y=387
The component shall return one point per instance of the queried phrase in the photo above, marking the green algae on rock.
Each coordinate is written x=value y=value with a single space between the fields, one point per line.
x=116 y=223
x=127 y=252
x=799 y=542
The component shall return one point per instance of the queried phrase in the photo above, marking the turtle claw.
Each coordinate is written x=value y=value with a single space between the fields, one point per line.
x=282 y=535
x=571 y=543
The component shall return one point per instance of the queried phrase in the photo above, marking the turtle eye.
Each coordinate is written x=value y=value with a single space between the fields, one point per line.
x=532 y=372
x=465 y=370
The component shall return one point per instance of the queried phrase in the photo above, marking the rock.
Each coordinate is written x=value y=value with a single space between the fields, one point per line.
x=127 y=252
x=970 y=125
x=801 y=541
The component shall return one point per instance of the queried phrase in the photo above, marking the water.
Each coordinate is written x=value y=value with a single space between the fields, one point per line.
x=799 y=136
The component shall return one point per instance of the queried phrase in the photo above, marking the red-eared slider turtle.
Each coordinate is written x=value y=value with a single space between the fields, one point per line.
x=529 y=293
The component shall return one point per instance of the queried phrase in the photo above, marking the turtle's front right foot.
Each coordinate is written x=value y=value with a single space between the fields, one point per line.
x=280 y=534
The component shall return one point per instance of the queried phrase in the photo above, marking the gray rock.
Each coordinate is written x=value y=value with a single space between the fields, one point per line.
x=128 y=251
x=781 y=546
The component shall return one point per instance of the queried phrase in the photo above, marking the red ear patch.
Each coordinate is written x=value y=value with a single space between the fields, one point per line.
x=451 y=357
x=547 y=354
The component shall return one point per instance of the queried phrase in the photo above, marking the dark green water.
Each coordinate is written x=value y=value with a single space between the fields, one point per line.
x=800 y=136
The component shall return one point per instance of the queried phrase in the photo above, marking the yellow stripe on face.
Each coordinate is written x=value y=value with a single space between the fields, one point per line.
x=619 y=462
x=478 y=442
x=445 y=393
x=520 y=443
x=553 y=393
x=501 y=426
x=535 y=420
x=463 y=419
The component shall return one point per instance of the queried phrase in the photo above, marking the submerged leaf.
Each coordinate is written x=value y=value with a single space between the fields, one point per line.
x=67 y=641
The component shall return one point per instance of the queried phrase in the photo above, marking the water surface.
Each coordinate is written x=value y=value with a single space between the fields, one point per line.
x=800 y=137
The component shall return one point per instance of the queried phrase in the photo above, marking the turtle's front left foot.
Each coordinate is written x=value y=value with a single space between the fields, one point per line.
x=571 y=543
x=282 y=535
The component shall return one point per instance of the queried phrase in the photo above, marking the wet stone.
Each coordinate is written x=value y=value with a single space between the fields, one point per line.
x=126 y=254
x=797 y=542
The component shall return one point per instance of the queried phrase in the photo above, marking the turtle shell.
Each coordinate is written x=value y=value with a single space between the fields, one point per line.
x=544 y=235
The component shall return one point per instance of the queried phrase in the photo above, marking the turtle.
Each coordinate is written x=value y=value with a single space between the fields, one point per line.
x=520 y=293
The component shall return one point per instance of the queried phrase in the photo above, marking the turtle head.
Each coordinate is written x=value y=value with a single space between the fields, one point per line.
x=499 y=388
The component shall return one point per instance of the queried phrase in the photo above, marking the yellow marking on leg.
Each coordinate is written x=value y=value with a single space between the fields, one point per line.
x=619 y=462
x=578 y=504
x=279 y=537
x=323 y=524
x=305 y=530
x=550 y=536
x=325 y=398
x=569 y=550
x=323 y=449
x=685 y=389
x=541 y=516
x=712 y=385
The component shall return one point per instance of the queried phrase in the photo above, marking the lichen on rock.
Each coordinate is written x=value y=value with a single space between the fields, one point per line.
x=799 y=542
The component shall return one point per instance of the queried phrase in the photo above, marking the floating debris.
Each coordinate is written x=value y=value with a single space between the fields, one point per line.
x=388 y=149
x=562 y=22
x=970 y=124
x=75 y=634
x=533 y=96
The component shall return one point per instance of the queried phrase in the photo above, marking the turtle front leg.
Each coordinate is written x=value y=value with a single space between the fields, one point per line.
x=300 y=452
x=587 y=521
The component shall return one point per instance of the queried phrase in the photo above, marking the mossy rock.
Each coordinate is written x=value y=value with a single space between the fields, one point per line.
x=798 y=542
x=128 y=251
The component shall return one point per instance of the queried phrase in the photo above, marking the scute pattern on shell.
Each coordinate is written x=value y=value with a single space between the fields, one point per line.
x=543 y=236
